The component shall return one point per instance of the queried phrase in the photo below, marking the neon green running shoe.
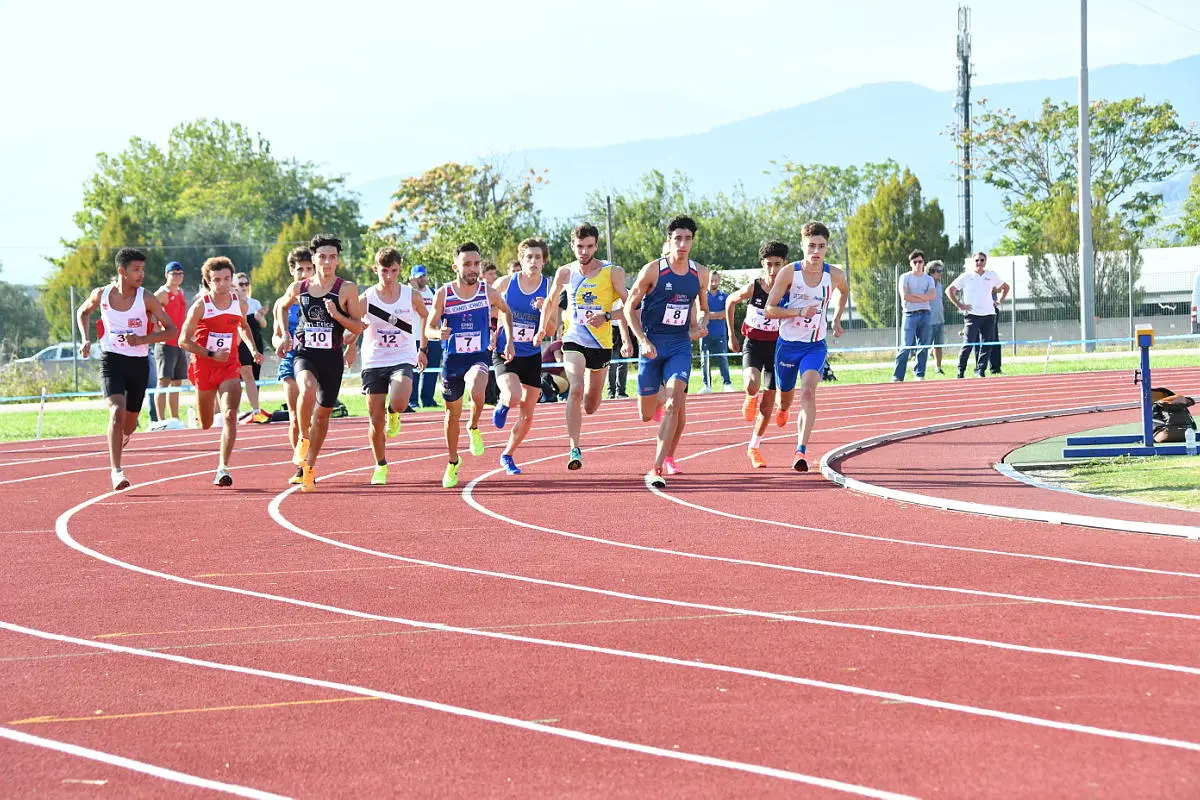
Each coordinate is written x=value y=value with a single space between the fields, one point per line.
x=476 y=441
x=379 y=476
x=393 y=424
x=450 y=478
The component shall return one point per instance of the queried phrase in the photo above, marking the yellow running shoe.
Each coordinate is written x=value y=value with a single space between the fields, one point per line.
x=450 y=478
x=301 y=452
x=756 y=458
x=379 y=476
x=393 y=424
x=298 y=478
x=476 y=441
x=309 y=483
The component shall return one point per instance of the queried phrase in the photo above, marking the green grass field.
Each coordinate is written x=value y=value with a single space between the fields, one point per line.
x=1171 y=480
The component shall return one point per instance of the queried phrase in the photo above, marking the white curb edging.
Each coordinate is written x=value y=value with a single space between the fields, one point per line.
x=1058 y=518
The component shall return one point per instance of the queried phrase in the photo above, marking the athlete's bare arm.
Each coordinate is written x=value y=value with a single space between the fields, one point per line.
x=504 y=320
x=645 y=282
x=618 y=282
x=837 y=278
x=731 y=304
x=155 y=312
x=418 y=305
x=434 y=327
x=701 y=325
x=187 y=334
x=780 y=287
x=351 y=319
x=281 y=315
x=83 y=317
x=550 y=321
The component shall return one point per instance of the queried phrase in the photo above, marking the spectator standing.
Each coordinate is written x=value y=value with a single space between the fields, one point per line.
x=618 y=371
x=169 y=359
x=427 y=380
x=715 y=345
x=937 y=313
x=916 y=292
x=251 y=370
x=972 y=293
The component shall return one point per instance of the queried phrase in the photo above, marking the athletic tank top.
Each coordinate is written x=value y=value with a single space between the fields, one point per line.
x=468 y=320
x=120 y=324
x=525 y=317
x=756 y=325
x=218 y=327
x=801 y=295
x=176 y=310
x=318 y=333
x=385 y=341
x=595 y=294
x=667 y=308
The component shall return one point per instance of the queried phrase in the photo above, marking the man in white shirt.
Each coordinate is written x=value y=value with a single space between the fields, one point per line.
x=972 y=293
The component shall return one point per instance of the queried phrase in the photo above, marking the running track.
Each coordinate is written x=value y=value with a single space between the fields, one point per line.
x=575 y=634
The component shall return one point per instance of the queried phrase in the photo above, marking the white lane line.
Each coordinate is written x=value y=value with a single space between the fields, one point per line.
x=482 y=716
x=129 y=764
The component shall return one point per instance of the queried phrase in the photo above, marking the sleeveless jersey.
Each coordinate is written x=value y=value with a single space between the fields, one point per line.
x=386 y=344
x=318 y=333
x=525 y=318
x=756 y=326
x=218 y=327
x=468 y=320
x=595 y=294
x=801 y=295
x=176 y=310
x=667 y=308
x=119 y=324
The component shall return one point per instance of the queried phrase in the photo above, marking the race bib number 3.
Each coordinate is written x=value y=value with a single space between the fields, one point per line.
x=675 y=314
x=219 y=341
x=523 y=333
x=318 y=338
x=121 y=336
x=468 y=342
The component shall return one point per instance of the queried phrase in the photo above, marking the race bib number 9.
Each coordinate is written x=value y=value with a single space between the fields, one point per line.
x=219 y=341
x=468 y=342
x=675 y=314
x=389 y=339
x=523 y=333
x=318 y=338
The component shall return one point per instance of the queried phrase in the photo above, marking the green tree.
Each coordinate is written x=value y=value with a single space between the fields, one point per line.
x=1189 y=227
x=22 y=324
x=1054 y=262
x=1033 y=161
x=880 y=235
x=271 y=277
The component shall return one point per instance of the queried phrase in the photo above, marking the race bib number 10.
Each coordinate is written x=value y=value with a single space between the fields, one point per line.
x=675 y=314
x=318 y=338
x=468 y=342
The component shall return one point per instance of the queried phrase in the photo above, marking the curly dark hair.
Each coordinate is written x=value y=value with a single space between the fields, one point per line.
x=773 y=249
x=325 y=240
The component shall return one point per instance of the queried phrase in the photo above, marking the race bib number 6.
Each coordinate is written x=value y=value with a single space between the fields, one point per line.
x=468 y=342
x=675 y=314
x=318 y=338
x=219 y=341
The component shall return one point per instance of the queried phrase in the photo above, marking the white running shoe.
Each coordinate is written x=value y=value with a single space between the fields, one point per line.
x=704 y=390
x=223 y=477
x=119 y=481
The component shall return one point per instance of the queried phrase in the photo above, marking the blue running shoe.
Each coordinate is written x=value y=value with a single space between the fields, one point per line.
x=500 y=415
x=575 y=459
x=509 y=465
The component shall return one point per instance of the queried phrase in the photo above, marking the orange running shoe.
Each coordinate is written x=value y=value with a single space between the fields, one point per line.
x=756 y=459
x=781 y=417
x=750 y=407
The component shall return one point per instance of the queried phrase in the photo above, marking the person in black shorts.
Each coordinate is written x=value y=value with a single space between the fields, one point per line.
x=329 y=307
x=251 y=371
x=126 y=310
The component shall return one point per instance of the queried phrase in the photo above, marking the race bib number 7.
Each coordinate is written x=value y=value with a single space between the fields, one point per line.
x=318 y=338
x=219 y=341
x=675 y=314
x=468 y=342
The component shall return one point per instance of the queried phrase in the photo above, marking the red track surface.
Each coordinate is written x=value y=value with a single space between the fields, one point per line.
x=746 y=633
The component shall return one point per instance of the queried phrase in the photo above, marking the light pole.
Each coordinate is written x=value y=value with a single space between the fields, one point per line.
x=1087 y=282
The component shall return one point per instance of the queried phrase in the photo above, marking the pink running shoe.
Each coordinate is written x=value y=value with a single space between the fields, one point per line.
x=658 y=414
x=670 y=467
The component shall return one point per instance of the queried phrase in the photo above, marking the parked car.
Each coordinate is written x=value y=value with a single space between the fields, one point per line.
x=56 y=356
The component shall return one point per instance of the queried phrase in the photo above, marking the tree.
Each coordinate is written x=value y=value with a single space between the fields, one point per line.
x=825 y=193
x=1133 y=143
x=1054 y=262
x=22 y=324
x=271 y=277
x=880 y=236
x=1189 y=226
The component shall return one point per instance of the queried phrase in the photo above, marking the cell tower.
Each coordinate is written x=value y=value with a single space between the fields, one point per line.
x=962 y=122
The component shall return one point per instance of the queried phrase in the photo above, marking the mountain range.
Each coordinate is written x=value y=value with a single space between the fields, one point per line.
x=902 y=121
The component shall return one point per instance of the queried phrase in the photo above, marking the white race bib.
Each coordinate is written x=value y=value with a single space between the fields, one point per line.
x=219 y=341
x=389 y=339
x=582 y=312
x=121 y=336
x=676 y=314
x=523 y=333
x=318 y=338
x=468 y=342
x=755 y=318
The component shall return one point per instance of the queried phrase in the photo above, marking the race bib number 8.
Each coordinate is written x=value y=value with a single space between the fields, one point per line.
x=219 y=341
x=318 y=338
x=468 y=342
x=675 y=314
x=523 y=333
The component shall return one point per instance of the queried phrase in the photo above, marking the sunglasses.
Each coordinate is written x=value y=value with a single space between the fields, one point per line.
x=243 y=283
x=981 y=261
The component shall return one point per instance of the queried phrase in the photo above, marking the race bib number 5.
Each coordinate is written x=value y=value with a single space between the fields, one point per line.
x=468 y=342
x=318 y=338
x=219 y=341
x=675 y=314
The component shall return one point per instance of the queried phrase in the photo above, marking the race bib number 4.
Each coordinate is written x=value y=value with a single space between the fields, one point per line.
x=318 y=338
x=675 y=314
x=468 y=342
x=523 y=333
x=219 y=341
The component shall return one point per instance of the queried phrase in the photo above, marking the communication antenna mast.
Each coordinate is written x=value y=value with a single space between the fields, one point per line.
x=962 y=121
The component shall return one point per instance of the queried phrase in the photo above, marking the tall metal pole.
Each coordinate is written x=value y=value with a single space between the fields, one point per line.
x=1012 y=300
x=896 y=303
x=1087 y=287
x=1129 y=284
x=608 y=227
x=74 y=342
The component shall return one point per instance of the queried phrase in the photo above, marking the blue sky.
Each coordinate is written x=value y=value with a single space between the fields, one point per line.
x=429 y=82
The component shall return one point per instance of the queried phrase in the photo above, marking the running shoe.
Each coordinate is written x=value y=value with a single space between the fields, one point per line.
x=800 y=464
x=246 y=419
x=450 y=478
x=509 y=465
x=756 y=458
x=728 y=388
x=260 y=417
x=704 y=390
x=223 y=477
x=575 y=459
x=298 y=478
x=671 y=467
x=500 y=415
x=393 y=424
x=309 y=481
x=658 y=414
x=476 y=441
x=119 y=481
x=301 y=452
x=750 y=407
x=781 y=417
x=655 y=478
x=379 y=476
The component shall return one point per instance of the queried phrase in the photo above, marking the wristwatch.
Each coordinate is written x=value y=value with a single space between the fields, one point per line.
x=607 y=316
x=209 y=353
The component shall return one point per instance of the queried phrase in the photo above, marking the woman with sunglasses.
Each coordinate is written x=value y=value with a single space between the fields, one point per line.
x=937 y=313
x=256 y=317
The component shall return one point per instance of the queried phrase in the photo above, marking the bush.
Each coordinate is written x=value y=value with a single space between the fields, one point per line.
x=27 y=379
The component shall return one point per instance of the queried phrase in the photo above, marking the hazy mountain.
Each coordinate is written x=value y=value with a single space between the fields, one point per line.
x=902 y=121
